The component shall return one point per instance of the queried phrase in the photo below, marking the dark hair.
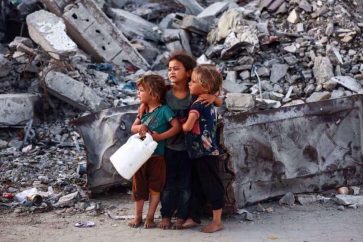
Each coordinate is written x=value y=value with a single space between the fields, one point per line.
x=186 y=59
x=209 y=76
x=154 y=84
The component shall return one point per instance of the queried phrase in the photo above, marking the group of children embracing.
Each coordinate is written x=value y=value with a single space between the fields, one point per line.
x=183 y=170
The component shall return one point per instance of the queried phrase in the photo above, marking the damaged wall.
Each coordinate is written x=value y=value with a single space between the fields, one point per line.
x=299 y=149
x=103 y=133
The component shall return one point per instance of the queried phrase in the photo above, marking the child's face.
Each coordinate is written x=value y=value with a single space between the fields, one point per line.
x=177 y=73
x=195 y=86
x=143 y=95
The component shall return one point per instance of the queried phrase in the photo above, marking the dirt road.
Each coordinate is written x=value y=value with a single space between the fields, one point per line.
x=313 y=223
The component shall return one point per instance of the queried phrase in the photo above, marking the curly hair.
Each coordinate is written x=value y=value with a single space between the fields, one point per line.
x=153 y=84
x=209 y=76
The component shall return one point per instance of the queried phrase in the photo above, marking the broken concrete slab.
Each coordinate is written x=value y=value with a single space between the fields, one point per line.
x=17 y=109
x=213 y=10
x=131 y=25
x=348 y=82
x=227 y=23
x=49 y=31
x=275 y=5
x=147 y=49
x=174 y=46
x=239 y=101
x=185 y=40
x=305 y=5
x=349 y=199
x=177 y=39
x=318 y=96
x=264 y=3
x=195 y=25
x=245 y=38
x=89 y=26
x=191 y=6
x=73 y=92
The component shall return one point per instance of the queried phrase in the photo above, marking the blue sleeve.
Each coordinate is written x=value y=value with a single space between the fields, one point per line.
x=168 y=113
x=198 y=106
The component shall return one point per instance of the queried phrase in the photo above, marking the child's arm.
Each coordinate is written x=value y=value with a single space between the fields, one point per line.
x=141 y=110
x=189 y=124
x=138 y=127
x=175 y=128
x=208 y=99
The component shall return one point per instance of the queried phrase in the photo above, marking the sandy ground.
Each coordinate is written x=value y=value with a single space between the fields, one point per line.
x=315 y=222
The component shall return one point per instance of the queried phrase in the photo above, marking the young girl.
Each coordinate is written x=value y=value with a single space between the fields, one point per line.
x=159 y=120
x=177 y=191
x=200 y=129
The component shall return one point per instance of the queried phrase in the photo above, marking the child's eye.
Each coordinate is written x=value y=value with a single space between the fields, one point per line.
x=174 y=69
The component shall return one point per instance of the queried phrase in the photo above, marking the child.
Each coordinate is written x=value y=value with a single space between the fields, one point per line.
x=177 y=192
x=200 y=129
x=159 y=120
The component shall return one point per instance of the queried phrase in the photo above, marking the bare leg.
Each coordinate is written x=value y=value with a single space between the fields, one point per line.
x=154 y=201
x=216 y=223
x=136 y=222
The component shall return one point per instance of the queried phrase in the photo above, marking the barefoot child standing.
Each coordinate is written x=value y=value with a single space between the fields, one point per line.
x=200 y=129
x=177 y=191
x=159 y=120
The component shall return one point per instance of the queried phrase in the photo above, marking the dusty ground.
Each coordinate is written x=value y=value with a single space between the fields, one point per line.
x=315 y=222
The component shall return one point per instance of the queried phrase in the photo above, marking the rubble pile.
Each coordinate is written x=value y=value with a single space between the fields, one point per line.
x=85 y=56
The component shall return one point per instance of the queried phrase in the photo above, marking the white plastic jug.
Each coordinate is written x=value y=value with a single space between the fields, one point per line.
x=133 y=154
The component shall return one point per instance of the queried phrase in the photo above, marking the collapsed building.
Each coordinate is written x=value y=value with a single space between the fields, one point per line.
x=293 y=72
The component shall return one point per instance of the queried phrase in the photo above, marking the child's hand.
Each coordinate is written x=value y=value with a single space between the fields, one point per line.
x=141 y=110
x=142 y=130
x=207 y=99
x=156 y=136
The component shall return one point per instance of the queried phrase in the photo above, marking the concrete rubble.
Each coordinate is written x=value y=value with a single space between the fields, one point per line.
x=67 y=83
x=48 y=31
x=17 y=109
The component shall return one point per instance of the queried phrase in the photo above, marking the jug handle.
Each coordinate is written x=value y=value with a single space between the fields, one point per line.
x=148 y=138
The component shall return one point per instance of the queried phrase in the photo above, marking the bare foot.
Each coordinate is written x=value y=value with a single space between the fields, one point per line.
x=189 y=223
x=178 y=223
x=149 y=223
x=135 y=223
x=212 y=227
x=165 y=223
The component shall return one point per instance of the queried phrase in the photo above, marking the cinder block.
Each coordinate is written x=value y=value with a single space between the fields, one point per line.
x=107 y=47
x=101 y=38
x=79 y=16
